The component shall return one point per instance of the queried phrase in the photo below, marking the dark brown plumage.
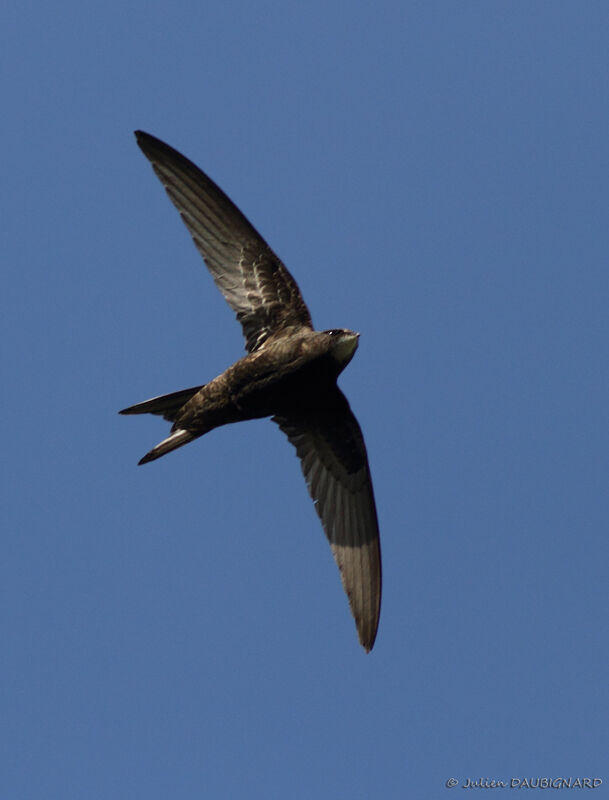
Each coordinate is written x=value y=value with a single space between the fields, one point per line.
x=289 y=374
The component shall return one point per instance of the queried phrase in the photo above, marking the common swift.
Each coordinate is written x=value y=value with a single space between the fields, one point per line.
x=288 y=374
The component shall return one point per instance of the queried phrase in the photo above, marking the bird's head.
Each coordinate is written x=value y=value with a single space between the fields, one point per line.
x=343 y=344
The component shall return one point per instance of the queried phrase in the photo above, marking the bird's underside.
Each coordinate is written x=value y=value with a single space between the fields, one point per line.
x=289 y=374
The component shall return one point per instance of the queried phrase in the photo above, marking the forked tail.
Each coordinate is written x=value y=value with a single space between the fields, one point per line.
x=167 y=406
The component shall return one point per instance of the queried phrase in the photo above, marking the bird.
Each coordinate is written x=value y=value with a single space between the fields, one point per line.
x=289 y=374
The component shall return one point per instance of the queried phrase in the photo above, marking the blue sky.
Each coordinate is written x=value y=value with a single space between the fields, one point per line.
x=434 y=174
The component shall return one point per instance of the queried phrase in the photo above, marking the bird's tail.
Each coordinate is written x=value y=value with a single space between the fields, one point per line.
x=176 y=439
x=166 y=406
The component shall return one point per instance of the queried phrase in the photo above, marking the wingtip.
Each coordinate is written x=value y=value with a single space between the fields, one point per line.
x=368 y=642
x=144 y=140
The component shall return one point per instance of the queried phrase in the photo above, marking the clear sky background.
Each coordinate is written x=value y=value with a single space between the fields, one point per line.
x=435 y=176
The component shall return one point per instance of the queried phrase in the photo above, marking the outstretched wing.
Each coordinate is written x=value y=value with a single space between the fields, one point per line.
x=255 y=283
x=332 y=452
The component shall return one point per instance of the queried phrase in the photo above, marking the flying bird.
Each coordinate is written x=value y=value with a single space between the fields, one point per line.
x=289 y=374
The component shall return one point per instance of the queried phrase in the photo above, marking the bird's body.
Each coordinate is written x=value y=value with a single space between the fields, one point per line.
x=289 y=374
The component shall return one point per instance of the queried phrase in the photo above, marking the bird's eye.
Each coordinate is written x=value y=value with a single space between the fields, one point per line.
x=335 y=331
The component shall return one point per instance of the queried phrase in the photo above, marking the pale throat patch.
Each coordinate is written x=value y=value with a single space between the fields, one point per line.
x=344 y=349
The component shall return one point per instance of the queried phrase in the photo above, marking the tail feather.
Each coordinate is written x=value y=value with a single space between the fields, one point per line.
x=166 y=405
x=173 y=441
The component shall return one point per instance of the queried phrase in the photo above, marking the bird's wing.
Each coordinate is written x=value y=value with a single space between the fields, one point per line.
x=255 y=283
x=332 y=452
